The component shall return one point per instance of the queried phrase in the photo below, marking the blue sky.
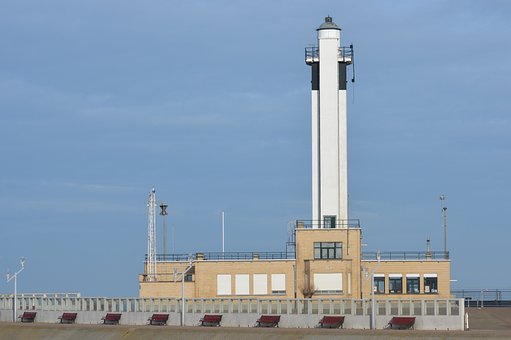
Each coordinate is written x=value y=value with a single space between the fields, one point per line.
x=208 y=101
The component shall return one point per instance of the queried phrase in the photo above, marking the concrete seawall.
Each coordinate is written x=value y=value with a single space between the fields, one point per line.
x=446 y=322
x=10 y=331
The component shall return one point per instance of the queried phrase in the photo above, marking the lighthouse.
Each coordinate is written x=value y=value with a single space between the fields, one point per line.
x=329 y=61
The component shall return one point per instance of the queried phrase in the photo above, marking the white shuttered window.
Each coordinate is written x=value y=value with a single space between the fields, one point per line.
x=328 y=283
x=278 y=283
x=260 y=284
x=242 y=284
x=223 y=284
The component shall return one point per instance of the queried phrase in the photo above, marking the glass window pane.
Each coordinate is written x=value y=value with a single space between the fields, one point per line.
x=395 y=285
x=412 y=285
x=379 y=283
x=430 y=285
x=331 y=253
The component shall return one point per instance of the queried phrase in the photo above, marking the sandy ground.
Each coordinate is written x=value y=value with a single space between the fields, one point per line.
x=494 y=318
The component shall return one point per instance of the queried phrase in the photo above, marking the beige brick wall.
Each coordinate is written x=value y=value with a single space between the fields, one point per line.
x=205 y=278
x=207 y=271
x=354 y=282
x=165 y=289
x=349 y=265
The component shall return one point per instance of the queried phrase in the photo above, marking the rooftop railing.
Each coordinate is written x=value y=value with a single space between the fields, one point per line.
x=328 y=224
x=405 y=255
x=225 y=256
x=249 y=256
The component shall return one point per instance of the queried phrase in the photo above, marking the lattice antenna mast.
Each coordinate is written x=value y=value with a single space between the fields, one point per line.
x=151 y=236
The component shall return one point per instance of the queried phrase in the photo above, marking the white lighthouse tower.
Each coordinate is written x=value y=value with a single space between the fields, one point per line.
x=329 y=131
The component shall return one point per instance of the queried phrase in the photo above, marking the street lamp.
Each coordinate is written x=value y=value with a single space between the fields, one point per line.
x=15 y=277
x=190 y=265
x=444 y=211
x=373 y=302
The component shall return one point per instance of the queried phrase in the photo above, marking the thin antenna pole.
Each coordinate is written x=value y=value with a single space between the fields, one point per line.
x=172 y=235
x=223 y=231
x=353 y=74
x=151 y=237
x=444 y=212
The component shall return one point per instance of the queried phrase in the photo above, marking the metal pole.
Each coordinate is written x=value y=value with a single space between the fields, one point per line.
x=373 y=302
x=164 y=238
x=183 y=299
x=15 y=298
x=223 y=231
x=183 y=291
x=373 y=312
x=294 y=280
x=445 y=231
x=444 y=211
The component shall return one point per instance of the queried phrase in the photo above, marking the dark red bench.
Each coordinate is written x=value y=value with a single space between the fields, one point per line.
x=68 y=317
x=158 y=319
x=211 y=320
x=401 y=322
x=331 y=322
x=268 y=321
x=27 y=316
x=111 y=318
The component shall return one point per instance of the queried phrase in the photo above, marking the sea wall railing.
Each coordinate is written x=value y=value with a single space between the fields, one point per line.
x=484 y=297
x=354 y=307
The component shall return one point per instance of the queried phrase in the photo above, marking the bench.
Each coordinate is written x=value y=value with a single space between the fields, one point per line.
x=111 y=318
x=158 y=319
x=68 y=317
x=27 y=316
x=331 y=322
x=401 y=322
x=268 y=321
x=211 y=320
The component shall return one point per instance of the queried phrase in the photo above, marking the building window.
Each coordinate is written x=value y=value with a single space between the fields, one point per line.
x=328 y=283
x=260 y=282
x=327 y=250
x=223 y=284
x=430 y=284
x=329 y=221
x=412 y=284
x=278 y=284
x=241 y=284
x=379 y=284
x=395 y=284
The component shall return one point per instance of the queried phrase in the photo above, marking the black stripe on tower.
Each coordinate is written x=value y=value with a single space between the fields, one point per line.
x=342 y=76
x=315 y=76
